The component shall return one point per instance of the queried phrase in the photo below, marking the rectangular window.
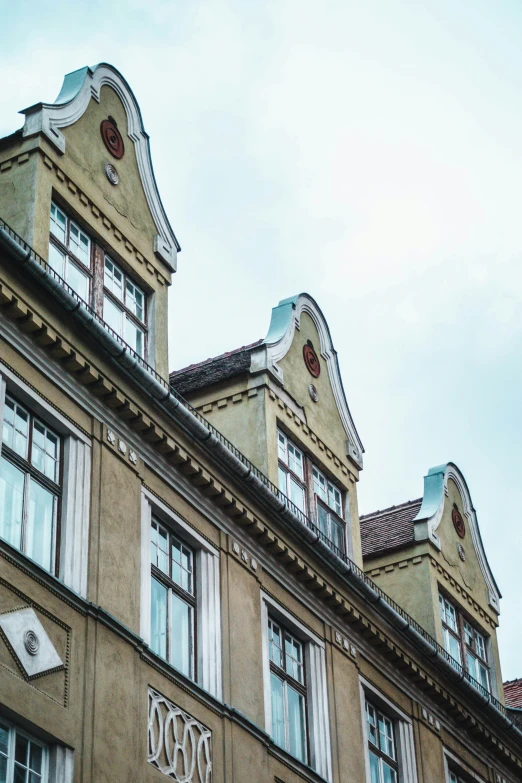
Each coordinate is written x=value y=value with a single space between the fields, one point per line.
x=123 y=304
x=291 y=471
x=328 y=504
x=30 y=484
x=173 y=599
x=70 y=251
x=124 y=307
x=288 y=690
x=22 y=759
x=382 y=751
x=464 y=643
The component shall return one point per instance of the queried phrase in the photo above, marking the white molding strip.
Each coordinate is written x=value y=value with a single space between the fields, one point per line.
x=74 y=545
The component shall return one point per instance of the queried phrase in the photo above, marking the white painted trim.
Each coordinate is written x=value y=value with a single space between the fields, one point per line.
x=293 y=623
x=460 y=764
x=77 y=91
x=61 y=764
x=317 y=693
x=277 y=344
x=41 y=407
x=74 y=544
x=171 y=516
x=74 y=540
x=403 y=732
x=208 y=630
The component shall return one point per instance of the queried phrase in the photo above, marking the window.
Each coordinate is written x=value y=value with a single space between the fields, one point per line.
x=291 y=471
x=22 y=759
x=328 y=508
x=30 y=484
x=295 y=690
x=124 y=307
x=288 y=690
x=70 y=252
x=307 y=487
x=73 y=255
x=173 y=601
x=464 y=643
x=180 y=607
x=454 y=778
x=382 y=751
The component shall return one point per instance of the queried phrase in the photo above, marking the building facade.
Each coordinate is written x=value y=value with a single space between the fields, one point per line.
x=186 y=589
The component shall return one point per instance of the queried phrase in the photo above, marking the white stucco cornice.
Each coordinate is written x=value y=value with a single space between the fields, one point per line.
x=285 y=320
x=78 y=88
x=430 y=515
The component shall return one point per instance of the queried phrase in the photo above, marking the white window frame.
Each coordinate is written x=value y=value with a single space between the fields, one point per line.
x=318 y=716
x=403 y=726
x=57 y=760
x=76 y=492
x=208 y=614
x=450 y=760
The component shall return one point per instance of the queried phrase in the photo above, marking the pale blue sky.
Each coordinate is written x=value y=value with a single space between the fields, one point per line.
x=368 y=153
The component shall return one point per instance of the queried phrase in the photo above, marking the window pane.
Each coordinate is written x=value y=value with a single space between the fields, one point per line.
x=181 y=654
x=480 y=645
x=468 y=634
x=371 y=719
x=483 y=675
x=295 y=460
x=35 y=757
x=281 y=447
x=278 y=724
x=135 y=337
x=8 y=425
x=20 y=774
x=337 y=531
x=322 y=519
x=451 y=616
x=452 y=645
x=21 y=749
x=78 y=280
x=389 y=774
x=296 y=724
x=135 y=300
x=4 y=739
x=40 y=524
x=56 y=260
x=374 y=767
x=45 y=451
x=11 y=502
x=112 y=315
x=158 y=618
x=159 y=542
x=113 y=278
x=281 y=480
x=182 y=565
x=3 y=769
x=386 y=736
x=294 y=658
x=275 y=644
x=80 y=244
x=58 y=223
x=297 y=494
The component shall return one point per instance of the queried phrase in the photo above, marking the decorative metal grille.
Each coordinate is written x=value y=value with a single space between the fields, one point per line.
x=179 y=745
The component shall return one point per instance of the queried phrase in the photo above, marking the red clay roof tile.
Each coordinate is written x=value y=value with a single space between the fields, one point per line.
x=388 y=529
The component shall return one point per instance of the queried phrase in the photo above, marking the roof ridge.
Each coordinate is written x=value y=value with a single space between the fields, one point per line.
x=391 y=508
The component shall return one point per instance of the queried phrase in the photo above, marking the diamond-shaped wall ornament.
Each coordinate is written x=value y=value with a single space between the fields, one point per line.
x=29 y=642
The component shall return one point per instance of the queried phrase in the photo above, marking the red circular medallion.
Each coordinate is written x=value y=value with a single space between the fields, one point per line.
x=112 y=138
x=458 y=522
x=311 y=360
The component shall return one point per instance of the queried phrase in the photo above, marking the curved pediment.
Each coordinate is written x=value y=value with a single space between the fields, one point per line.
x=78 y=88
x=286 y=319
x=440 y=484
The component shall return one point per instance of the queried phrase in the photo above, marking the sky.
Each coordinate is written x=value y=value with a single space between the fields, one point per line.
x=368 y=153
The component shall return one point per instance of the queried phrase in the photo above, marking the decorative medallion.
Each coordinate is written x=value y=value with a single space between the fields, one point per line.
x=133 y=457
x=111 y=437
x=314 y=394
x=311 y=360
x=460 y=550
x=112 y=138
x=29 y=642
x=111 y=174
x=458 y=522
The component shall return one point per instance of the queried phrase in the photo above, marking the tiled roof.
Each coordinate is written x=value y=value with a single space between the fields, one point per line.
x=513 y=693
x=213 y=370
x=388 y=529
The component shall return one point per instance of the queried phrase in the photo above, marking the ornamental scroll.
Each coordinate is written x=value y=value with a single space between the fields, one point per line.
x=179 y=745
